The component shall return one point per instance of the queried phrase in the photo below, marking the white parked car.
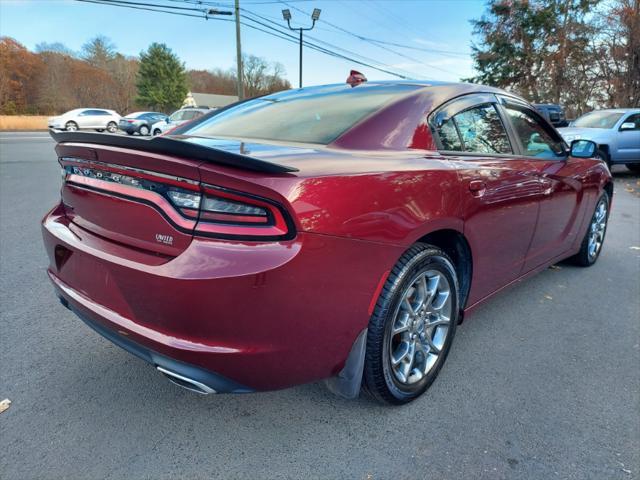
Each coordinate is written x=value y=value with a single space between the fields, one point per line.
x=99 y=119
x=177 y=118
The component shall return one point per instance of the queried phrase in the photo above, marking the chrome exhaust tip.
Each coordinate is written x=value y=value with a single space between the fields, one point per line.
x=185 y=382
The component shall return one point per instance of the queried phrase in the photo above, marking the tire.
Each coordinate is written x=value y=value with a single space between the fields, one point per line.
x=157 y=132
x=129 y=133
x=71 y=127
x=143 y=130
x=601 y=154
x=634 y=167
x=590 y=251
x=112 y=127
x=100 y=130
x=413 y=369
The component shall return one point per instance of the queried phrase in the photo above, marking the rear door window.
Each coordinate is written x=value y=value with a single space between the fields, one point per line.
x=475 y=130
x=482 y=130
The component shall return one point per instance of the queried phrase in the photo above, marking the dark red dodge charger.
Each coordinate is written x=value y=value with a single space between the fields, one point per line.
x=330 y=232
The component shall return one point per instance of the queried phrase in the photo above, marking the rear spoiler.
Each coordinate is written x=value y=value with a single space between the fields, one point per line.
x=172 y=146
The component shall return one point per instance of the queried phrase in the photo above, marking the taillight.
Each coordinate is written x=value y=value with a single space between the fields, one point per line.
x=214 y=211
x=229 y=214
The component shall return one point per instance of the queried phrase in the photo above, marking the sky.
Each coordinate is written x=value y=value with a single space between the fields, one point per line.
x=438 y=33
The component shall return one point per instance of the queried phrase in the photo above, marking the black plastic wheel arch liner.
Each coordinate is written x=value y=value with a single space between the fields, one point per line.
x=172 y=146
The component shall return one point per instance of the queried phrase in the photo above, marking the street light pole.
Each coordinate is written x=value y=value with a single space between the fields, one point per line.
x=300 y=72
x=286 y=14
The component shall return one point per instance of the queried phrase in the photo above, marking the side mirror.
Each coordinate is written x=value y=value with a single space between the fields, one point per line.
x=628 y=126
x=583 y=148
x=166 y=120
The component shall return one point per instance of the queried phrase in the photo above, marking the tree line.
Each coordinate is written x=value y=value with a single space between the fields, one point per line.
x=53 y=79
x=583 y=54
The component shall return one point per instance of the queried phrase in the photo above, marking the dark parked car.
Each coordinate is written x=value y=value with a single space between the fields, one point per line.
x=332 y=232
x=554 y=114
x=140 y=122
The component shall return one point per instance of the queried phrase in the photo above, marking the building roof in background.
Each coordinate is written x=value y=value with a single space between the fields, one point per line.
x=210 y=100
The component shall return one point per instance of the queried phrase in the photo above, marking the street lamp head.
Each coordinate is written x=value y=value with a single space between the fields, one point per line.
x=286 y=14
x=316 y=14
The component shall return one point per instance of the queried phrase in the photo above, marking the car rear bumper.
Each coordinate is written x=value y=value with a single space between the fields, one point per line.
x=238 y=316
x=209 y=382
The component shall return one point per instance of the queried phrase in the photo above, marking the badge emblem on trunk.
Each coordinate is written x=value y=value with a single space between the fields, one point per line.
x=166 y=239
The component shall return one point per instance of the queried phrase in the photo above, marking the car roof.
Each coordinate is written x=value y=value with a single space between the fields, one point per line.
x=617 y=110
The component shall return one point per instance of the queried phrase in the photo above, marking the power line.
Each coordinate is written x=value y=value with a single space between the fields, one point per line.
x=370 y=40
x=144 y=6
x=117 y=3
x=278 y=27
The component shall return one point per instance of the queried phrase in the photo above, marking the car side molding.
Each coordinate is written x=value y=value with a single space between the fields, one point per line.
x=172 y=146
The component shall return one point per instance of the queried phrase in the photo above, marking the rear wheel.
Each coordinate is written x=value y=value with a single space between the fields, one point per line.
x=594 y=238
x=634 y=167
x=143 y=130
x=112 y=127
x=71 y=126
x=412 y=327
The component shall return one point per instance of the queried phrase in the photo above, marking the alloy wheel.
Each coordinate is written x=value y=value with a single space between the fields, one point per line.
x=597 y=229
x=420 y=327
x=71 y=127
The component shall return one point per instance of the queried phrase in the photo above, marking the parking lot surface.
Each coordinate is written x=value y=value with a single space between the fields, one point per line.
x=542 y=382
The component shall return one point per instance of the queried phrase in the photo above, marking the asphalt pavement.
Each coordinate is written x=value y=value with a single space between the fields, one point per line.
x=542 y=382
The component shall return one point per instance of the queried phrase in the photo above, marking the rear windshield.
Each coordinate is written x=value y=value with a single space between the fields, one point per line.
x=314 y=115
x=598 y=120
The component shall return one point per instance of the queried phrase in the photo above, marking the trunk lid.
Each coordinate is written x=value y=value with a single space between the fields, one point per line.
x=121 y=195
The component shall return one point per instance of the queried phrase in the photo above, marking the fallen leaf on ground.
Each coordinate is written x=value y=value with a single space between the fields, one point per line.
x=548 y=297
x=634 y=248
x=4 y=404
x=555 y=267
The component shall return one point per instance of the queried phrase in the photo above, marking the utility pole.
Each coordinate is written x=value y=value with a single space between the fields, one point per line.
x=286 y=14
x=239 y=54
x=240 y=74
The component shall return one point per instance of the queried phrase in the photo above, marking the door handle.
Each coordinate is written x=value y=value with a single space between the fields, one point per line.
x=477 y=186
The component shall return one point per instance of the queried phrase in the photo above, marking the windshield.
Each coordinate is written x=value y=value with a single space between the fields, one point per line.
x=598 y=120
x=314 y=115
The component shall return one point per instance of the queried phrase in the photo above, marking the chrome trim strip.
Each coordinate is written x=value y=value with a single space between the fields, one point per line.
x=130 y=169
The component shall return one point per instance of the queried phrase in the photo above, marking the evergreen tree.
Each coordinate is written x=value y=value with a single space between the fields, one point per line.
x=542 y=49
x=162 y=80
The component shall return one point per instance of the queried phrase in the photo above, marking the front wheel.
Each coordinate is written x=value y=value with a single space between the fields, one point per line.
x=594 y=238
x=412 y=327
x=157 y=132
x=71 y=126
x=144 y=130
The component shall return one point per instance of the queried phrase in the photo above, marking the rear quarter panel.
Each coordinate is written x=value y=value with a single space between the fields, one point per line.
x=395 y=207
